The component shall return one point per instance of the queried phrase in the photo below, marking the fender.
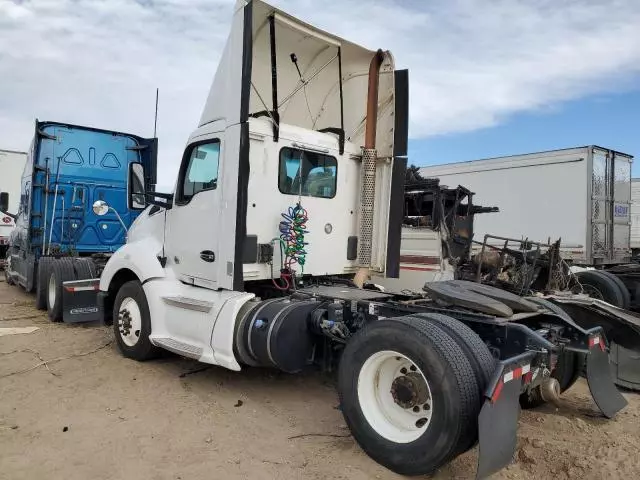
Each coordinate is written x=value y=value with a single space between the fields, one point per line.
x=139 y=256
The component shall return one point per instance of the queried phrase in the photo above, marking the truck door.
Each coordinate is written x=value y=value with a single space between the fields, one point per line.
x=621 y=228
x=192 y=234
x=610 y=206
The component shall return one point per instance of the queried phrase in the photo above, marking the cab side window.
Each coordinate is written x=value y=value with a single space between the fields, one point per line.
x=201 y=171
x=308 y=174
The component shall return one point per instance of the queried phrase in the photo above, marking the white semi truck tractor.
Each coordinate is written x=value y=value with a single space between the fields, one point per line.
x=289 y=196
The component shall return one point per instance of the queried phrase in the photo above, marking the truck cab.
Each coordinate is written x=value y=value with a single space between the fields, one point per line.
x=68 y=169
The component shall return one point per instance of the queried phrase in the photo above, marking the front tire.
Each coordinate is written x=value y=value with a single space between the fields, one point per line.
x=408 y=393
x=132 y=322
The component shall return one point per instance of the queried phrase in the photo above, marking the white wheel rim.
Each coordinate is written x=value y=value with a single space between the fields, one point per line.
x=129 y=321
x=377 y=383
x=51 y=291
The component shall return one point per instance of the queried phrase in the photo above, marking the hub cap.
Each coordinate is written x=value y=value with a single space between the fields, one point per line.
x=395 y=397
x=129 y=321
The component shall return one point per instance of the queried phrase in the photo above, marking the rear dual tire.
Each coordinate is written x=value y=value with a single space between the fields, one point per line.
x=59 y=270
x=605 y=286
x=42 y=280
x=52 y=273
x=411 y=391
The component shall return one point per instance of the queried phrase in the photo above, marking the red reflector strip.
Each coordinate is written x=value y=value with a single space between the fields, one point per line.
x=81 y=289
x=528 y=378
x=497 y=392
x=593 y=341
x=516 y=373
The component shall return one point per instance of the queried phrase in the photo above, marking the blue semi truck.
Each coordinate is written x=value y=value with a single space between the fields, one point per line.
x=59 y=241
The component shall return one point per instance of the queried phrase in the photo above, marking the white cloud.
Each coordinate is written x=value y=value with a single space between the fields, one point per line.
x=471 y=62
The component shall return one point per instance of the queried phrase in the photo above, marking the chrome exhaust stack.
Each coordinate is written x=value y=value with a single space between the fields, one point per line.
x=368 y=181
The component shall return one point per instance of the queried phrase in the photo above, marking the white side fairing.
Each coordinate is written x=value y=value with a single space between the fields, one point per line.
x=140 y=253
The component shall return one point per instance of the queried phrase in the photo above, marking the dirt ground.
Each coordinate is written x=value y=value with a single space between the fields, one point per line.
x=100 y=416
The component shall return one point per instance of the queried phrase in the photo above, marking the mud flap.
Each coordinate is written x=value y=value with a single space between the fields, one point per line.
x=498 y=420
x=604 y=392
x=80 y=301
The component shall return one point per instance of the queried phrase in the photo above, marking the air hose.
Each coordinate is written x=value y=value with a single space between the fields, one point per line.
x=293 y=228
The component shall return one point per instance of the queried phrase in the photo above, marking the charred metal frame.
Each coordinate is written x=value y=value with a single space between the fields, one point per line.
x=525 y=245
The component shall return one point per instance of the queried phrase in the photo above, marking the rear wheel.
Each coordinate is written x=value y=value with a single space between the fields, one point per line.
x=85 y=268
x=42 y=282
x=626 y=296
x=408 y=394
x=598 y=285
x=60 y=271
x=482 y=362
x=132 y=322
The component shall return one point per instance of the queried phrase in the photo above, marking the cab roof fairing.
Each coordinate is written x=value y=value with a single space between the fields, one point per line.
x=315 y=106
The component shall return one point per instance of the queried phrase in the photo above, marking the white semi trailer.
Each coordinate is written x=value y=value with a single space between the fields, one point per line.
x=579 y=195
x=11 y=166
x=635 y=217
x=279 y=216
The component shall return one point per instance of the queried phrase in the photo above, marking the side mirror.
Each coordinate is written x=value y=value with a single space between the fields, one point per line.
x=136 y=187
x=100 y=207
x=4 y=202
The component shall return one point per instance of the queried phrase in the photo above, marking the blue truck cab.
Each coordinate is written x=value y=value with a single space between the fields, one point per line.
x=58 y=238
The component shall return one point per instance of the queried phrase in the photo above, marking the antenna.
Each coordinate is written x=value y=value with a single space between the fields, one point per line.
x=155 y=119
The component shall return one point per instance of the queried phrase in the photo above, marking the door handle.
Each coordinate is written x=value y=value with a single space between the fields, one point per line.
x=208 y=256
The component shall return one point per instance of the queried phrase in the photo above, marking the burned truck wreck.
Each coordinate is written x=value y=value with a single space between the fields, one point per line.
x=522 y=267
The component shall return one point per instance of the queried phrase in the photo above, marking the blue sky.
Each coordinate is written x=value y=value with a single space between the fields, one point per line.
x=487 y=77
x=608 y=120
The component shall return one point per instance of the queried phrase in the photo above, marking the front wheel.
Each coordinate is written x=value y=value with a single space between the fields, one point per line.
x=408 y=393
x=132 y=323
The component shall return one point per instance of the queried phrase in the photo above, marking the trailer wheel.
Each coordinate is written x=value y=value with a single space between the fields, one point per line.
x=132 y=322
x=408 y=393
x=596 y=284
x=42 y=281
x=60 y=271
